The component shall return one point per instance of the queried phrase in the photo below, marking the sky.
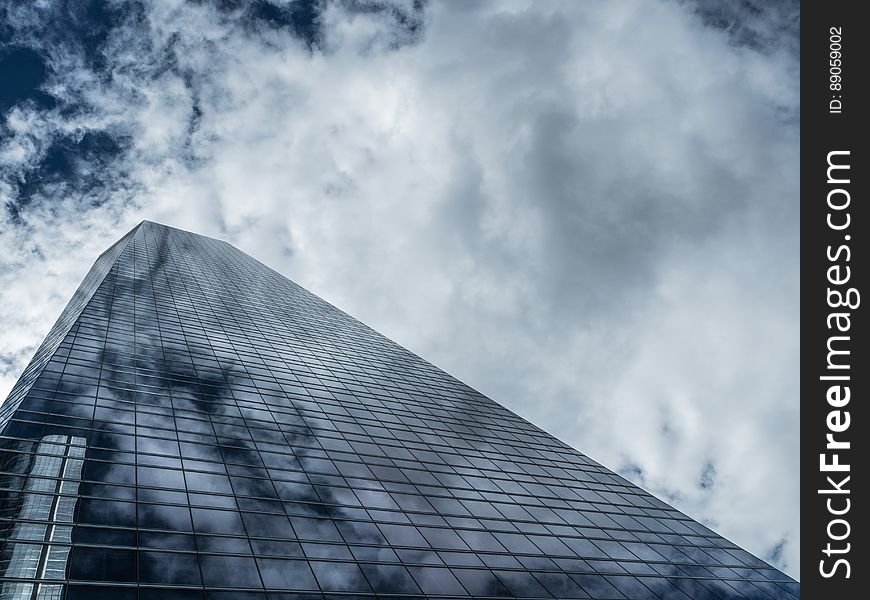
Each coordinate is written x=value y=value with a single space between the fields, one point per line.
x=587 y=211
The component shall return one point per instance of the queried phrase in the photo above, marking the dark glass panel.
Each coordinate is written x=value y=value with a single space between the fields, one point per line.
x=102 y=564
x=282 y=574
x=265 y=525
x=166 y=541
x=333 y=551
x=106 y=512
x=223 y=544
x=522 y=585
x=229 y=571
x=99 y=536
x=436 y=580
x=172 y=518
x=81 y=592
x=157 y=477
x=315 y=529
x=339 y=577
x=596 y=586
x=208 y=482
x=402 y=535
x=169 y=594
x=480 y=582
x=561 y=586
x=389 y=579
x=217 y=521
x=166 y=567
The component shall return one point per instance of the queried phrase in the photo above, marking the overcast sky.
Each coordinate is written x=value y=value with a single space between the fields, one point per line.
x=586 y=210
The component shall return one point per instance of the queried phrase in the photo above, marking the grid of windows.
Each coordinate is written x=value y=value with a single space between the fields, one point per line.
x=200 y=427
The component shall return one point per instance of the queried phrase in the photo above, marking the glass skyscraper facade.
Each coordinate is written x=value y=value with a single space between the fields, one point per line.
x=195 y=426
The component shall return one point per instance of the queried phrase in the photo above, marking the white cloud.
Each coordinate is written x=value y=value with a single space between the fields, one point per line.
x=588 y=212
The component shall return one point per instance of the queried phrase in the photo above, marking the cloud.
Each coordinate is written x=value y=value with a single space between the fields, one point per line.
x=589 y=213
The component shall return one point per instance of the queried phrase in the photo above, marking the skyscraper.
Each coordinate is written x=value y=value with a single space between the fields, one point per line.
x=197 y=427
